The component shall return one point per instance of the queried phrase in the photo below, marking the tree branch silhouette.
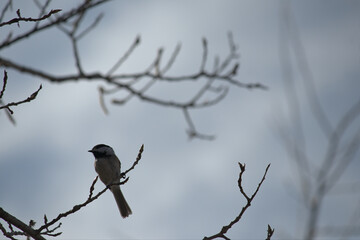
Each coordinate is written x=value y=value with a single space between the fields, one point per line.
x=7 y=106
x=226 y=228
x=316 y=176
x=49 y=227
x=23 y=19
x=215 y=82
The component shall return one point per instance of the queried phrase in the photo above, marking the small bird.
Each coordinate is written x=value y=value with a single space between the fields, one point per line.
x=107 y=166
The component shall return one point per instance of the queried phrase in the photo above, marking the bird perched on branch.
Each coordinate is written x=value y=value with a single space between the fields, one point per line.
x=107 y=166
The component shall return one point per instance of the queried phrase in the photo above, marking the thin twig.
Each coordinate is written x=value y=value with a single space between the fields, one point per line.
x=192 y=132
x=270 y=232
x=125 y=56
x=29 y=99
x=136 y=161
x=42 y=8
x=4 y=84
x=6 y=233
x=22 y=19
x=205 y=53
x=226 y=228
x=90 y=27
x=65 y=16
x=5 y=9
x=171 y=59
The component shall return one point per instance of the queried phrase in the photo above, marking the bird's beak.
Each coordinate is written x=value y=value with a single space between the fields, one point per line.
x=91 y=151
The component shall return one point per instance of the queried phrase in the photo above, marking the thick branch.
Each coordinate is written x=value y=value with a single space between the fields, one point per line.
x=21 y=225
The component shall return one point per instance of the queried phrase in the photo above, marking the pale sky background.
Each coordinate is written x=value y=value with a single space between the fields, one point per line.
x=181 y=189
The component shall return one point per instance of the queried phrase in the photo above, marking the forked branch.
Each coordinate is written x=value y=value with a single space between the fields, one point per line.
x=226 y=228
x=7 y=106
x=212 y=88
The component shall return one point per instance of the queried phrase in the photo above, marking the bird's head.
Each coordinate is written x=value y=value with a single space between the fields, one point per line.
x=102 y=150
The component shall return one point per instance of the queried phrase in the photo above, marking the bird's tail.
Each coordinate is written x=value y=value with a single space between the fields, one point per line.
x=123 y=206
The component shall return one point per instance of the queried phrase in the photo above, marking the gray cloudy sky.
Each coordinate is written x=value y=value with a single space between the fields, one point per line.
x=181 y=189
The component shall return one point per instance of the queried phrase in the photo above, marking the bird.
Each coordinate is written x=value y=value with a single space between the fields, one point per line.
x=107 y=166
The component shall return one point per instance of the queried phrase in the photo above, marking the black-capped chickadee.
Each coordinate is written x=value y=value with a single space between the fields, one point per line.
x=107 y=166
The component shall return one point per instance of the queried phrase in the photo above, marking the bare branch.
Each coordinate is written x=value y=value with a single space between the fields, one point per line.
x=149 y=77
x=42 y=8
x=205 y=54
x=91 y=27
x=6 y=233
x=4 y=84
x=7 y=6
x=270 y=232
x=232 y=55
x=136 y=161
x=307 y=76
x=21 y=225
x=29 y=99
x=335 y=140
x=90 y=199
x=125 y=56
x=192 y=132
x=172 y=59
x=341 y=148
x=8 y=111
x=102 y=100
x=69 y=22
x=226 y=228
x=65 y=16
x=22 y=19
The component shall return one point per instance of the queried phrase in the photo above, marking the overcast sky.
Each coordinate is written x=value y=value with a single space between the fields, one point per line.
x=181 y=189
